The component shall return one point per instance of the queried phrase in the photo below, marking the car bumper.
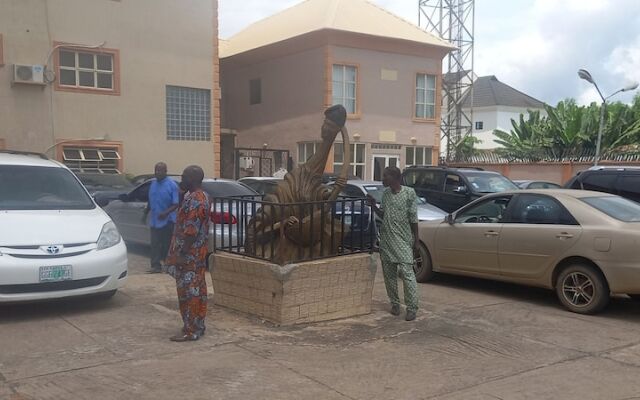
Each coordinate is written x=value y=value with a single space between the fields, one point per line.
x=94 y=272
x=622 y=277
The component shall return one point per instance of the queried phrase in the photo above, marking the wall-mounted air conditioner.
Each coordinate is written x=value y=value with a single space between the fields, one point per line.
x=29 y=74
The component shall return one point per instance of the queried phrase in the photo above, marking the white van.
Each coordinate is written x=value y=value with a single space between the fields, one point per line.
x=55 y=241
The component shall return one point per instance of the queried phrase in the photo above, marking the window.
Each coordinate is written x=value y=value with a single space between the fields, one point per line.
x=537 y=209
x=425 y=179
x=543 y=185
x=479 y=125
x=345 y=79
x=255 y=91
x=630 y=187
x=188 y=113
x=79 y=69
x=99 y=160
x=488 y=212
x=358 y=157
x=352 y=191
x=306 y=151
x=455 y=184
x=616 y=207
x=418 y=156
x=425 y=96
x=485 y=182
x=600 y=182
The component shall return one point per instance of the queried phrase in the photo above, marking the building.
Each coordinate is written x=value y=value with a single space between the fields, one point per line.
x=102 y=86
x=495 y=104
x=279 y=74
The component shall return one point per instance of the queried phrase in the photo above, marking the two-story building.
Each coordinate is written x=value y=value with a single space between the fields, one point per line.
x=495 y=104
x=111 y=85
x=279 y=74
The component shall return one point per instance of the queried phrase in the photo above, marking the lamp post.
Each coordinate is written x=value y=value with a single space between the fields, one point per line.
x=584 y=74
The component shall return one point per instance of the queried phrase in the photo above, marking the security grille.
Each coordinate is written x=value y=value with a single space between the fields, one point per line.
x=96 y=160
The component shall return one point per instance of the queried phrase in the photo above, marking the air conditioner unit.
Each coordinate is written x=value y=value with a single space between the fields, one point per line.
x=29 y=74
x=246 y=162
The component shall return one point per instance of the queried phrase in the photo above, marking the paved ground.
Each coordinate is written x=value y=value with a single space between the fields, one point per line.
x=472 y=340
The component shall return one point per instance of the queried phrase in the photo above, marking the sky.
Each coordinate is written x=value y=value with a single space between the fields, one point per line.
x=536 y=46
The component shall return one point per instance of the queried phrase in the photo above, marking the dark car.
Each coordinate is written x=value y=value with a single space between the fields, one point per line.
x=105 y=187
x=623 y=181
x=451 y=188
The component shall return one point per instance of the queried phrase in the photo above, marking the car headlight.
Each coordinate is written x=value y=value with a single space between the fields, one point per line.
x=109 y=236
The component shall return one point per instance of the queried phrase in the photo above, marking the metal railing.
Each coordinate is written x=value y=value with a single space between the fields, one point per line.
x=253 y=227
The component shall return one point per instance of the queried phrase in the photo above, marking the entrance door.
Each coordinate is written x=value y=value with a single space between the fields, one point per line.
x=380 y=162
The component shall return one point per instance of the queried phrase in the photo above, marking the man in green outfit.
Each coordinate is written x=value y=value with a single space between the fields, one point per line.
x=398 y=239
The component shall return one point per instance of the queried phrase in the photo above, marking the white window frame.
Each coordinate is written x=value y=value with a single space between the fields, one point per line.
x=425 y=151
x=107 y=162
x=429 y=97
x=344 y=100
x=354 y=163
x=302 y=151
x=77 y=69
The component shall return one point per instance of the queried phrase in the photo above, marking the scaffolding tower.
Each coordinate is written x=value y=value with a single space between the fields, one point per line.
x=453 y=21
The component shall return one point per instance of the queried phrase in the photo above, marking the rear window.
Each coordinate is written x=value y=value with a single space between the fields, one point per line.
x=616 y=207
x=227 y=189
x=41 y=188
x=106 y=181
x=424 y=179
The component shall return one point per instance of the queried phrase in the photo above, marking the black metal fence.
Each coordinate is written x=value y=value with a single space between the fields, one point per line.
x=252 y=227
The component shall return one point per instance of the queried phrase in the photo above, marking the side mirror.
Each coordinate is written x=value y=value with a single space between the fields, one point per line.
x=450 y=219
x=123 y=197
x=101 y=202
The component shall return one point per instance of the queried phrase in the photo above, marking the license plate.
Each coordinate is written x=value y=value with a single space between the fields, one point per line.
x=56 y=273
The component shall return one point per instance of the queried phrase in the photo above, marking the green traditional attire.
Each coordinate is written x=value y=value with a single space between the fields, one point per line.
x=396 y=244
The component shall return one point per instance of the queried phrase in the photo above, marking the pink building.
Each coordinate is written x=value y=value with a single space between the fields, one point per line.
x=279 y=74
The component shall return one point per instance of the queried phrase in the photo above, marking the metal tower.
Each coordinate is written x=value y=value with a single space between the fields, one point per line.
x=453 y=21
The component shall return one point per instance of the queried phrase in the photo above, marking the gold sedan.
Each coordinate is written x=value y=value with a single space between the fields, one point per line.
x=585 y=245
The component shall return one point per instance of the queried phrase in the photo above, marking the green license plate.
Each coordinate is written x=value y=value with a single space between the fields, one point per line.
x=56 y=273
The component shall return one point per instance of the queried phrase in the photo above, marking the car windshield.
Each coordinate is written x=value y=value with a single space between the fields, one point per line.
x=41 y=188
x=227 y=189
x=108 y=181
x=615 y=207
x=375 y=191
x=489 y=183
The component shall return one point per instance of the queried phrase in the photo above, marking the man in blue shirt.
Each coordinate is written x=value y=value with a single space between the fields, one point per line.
x=163 y=202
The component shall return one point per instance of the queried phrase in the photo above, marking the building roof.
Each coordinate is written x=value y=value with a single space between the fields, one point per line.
x=489 y=91
x=357 y=16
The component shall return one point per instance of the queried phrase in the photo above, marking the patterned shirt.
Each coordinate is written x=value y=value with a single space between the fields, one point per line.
x=396 y=237
x=193 y=220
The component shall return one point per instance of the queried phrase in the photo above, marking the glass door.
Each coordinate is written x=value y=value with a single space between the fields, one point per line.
x=380 y=162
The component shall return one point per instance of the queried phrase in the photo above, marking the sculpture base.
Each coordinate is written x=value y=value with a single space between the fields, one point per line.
x=332 y=288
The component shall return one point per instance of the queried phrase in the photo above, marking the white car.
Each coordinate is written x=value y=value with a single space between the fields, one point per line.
x=55 y=242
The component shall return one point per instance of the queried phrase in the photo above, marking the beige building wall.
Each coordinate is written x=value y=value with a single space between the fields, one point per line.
x=160 y=42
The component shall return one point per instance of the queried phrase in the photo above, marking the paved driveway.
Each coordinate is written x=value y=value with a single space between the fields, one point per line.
x=472 y=340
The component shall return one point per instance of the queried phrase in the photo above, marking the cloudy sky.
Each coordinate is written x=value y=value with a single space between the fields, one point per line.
x=534 y=45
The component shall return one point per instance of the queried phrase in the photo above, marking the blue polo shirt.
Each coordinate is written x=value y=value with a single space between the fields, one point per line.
x=162 y=195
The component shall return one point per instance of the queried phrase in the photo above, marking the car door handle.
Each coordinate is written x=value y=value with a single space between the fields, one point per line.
x=564 y=235
x=491 y=234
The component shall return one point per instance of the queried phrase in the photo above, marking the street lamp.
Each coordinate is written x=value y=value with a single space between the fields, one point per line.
x=584 y=74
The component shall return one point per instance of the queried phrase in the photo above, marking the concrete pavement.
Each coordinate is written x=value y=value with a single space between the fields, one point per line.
x=472 y=340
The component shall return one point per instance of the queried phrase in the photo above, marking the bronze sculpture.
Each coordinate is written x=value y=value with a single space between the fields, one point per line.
x=294 y=223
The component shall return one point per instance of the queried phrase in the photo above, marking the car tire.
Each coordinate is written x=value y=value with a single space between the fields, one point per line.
x=582 y=289
x=422 y=264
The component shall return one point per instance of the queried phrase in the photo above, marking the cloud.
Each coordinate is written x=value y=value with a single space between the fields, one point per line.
x=624 y=61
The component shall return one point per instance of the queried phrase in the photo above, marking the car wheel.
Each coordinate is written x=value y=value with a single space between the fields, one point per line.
x=422 y=264
x=582 y=289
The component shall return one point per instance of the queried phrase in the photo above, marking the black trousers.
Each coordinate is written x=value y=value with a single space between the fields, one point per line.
x=160 y=242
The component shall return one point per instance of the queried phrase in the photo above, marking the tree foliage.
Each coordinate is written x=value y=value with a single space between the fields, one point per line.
x=570 y=131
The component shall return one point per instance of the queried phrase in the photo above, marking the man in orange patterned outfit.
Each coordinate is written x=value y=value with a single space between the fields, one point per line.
x=188 y=253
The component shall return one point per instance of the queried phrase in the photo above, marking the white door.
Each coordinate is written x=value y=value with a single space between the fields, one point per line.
x=380 y=162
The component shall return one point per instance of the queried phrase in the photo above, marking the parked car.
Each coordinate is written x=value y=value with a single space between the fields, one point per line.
x=262 y=185
x=105 y=187
x=55 y=241
x=583 y=244
x=537 y=185
x=128 y=212
x=140 y=179
x=360 y=189
x=623 y=181
x=451 y=188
